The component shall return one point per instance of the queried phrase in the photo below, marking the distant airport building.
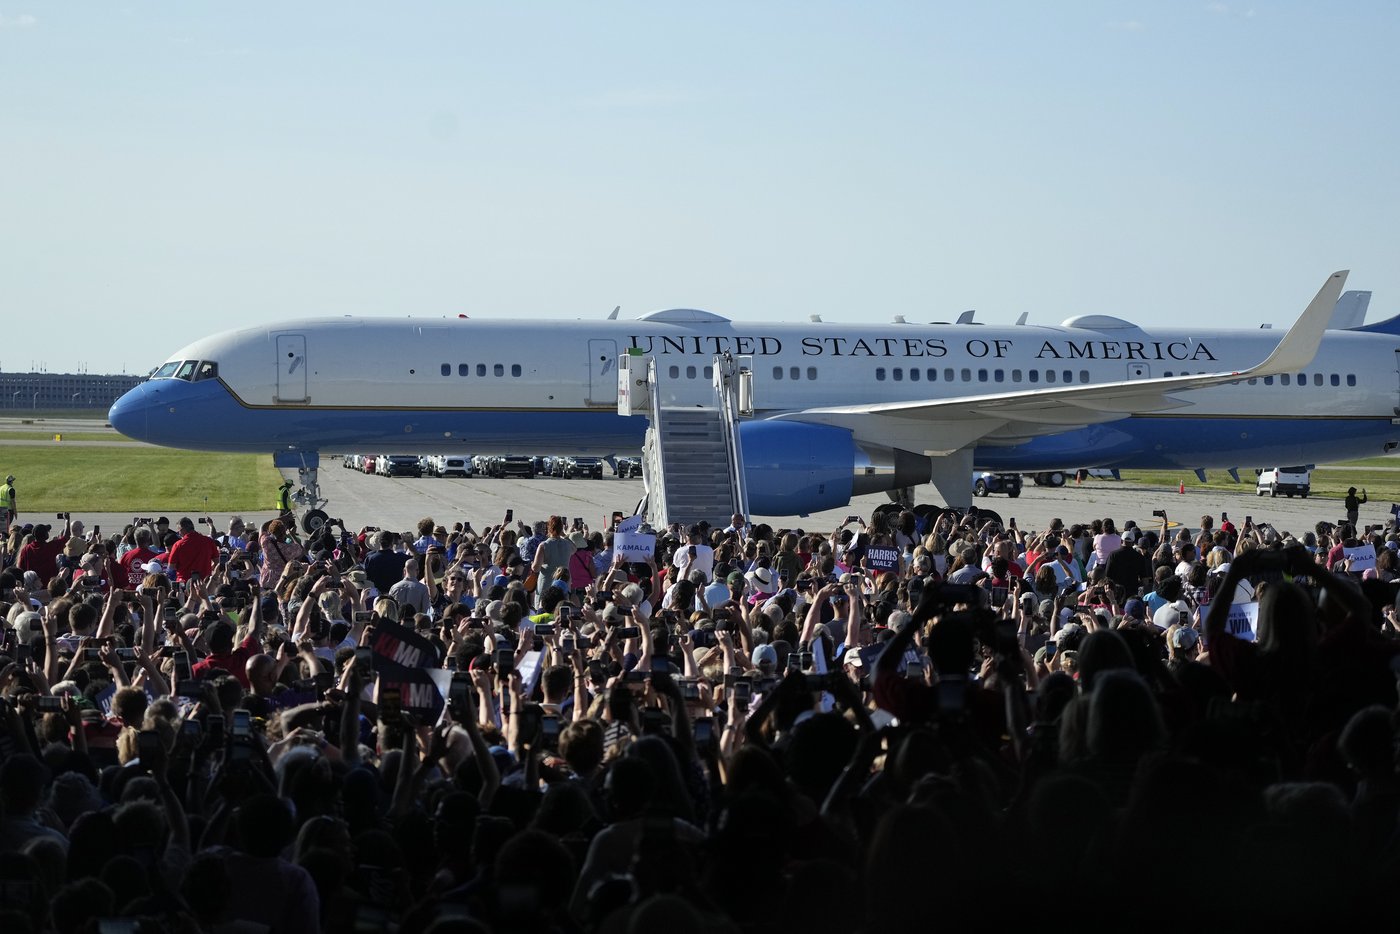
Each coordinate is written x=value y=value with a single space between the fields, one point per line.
x=30 y=392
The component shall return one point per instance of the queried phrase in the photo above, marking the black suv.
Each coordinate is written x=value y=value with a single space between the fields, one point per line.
x=403 y=465
x=590 y=467
x=515 y=465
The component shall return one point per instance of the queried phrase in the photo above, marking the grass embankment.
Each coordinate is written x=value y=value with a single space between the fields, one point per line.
x=27 y=435
x=53 y=415
x=91 y=479
x=1381 y=484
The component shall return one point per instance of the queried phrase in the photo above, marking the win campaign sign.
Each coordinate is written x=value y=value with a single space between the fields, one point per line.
x=1243 y=621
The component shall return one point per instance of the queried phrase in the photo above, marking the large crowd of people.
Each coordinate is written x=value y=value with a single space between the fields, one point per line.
x=909 y=721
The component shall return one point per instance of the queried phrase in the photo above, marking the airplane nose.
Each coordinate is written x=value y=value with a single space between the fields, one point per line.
x=128 y=414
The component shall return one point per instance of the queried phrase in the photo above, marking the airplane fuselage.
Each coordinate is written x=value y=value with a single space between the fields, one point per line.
x=490 y=386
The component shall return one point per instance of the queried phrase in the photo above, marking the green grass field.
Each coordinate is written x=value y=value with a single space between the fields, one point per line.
x=52 y=415
x=1327 y=482
x=27 y=435
x=57 y=478
x=53 y=477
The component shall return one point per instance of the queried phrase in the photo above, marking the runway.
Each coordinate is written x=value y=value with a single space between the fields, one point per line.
x=366 y=500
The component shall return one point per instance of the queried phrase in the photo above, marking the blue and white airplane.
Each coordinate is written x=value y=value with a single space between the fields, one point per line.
x=840 y=409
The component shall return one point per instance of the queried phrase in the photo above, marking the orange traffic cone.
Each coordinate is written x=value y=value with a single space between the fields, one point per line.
x=1182 y=488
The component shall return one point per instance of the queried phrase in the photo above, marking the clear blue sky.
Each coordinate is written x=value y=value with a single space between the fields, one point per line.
x=174 y=169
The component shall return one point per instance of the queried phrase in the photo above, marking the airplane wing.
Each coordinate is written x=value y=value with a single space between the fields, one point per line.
x=941 y=426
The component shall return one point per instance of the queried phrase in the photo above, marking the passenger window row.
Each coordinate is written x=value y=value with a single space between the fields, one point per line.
x=967 y=375
x=495 y=369
x=692 y=372
x=794 y=372
x=1318 y=379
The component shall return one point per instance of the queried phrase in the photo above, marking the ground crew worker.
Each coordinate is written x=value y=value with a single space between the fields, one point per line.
x=284 y=503
x=8 y=513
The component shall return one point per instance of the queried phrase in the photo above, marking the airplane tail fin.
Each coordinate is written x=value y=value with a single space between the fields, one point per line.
x=1350 y=311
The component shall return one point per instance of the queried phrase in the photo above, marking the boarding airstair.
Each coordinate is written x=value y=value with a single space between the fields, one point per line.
x=692 y=462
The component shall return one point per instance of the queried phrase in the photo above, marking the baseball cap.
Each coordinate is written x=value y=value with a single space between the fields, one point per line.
x=735 y=577
x=28 y=623
x=764 y=655
x=1170 y=614
x=155 y=567
x=1184 y=637
x=1135 y=608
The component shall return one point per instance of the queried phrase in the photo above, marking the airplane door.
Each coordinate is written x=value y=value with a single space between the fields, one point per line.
x=1139 y=371
x=291 y=368
x=602 y=373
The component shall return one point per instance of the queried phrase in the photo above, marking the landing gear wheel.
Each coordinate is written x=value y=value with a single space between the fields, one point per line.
x=313 y=520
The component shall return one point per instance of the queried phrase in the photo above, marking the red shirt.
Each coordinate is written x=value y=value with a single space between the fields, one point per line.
x=42 y=557
x=235 y=662
x=193 y=556
x=131 y=562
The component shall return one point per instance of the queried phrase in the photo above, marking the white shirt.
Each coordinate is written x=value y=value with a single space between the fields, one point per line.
x=704 y=560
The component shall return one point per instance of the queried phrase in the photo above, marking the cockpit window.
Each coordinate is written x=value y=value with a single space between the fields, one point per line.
x=208 y=369
x=166 y=371
x=186 y=369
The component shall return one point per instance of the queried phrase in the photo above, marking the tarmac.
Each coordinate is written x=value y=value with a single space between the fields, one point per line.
x=398 y=503
x=366 y=500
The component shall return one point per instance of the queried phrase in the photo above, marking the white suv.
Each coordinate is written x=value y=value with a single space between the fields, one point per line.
x=1289 y=481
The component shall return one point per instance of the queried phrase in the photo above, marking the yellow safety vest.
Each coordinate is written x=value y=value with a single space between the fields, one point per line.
x=284 y=499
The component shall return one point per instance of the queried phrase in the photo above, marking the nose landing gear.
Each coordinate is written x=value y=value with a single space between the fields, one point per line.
x=310 y=496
